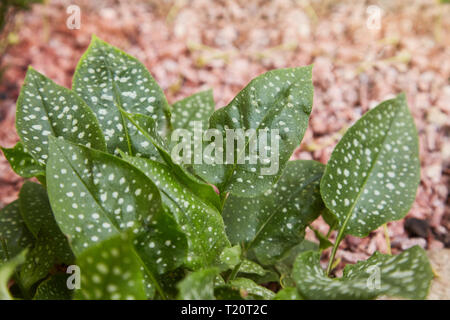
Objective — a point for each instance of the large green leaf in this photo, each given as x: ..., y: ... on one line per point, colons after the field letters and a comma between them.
x: 54, y: 288
x: 46, y: 109
x: 288, y: 293
x: 7, y: 270
x: 374, y: 171
x: 95, y: 196
x: 406, y: 275
x: 147, y: 127
x: 201, y: 222
x: 197, y: 107
x: 109, y: 80
x: 279, y: 103
x: 111, y: 270
x: 14, y: 234
x: 51, y: 246
x: 22, y: 162
x: 274, y: 222
x: 198, y: 285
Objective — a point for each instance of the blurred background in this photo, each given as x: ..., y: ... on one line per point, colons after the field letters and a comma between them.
x: 363, y: 52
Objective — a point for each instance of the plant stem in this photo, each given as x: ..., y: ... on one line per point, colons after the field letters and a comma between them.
x: 223, y: 198
x: 335, y: 247
x: 235, y: 271
x: 388, y: 240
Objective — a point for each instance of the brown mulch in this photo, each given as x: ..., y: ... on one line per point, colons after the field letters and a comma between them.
x: 192, y: 45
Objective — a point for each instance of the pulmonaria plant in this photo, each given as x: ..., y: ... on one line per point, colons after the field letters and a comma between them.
x: 116, y: 216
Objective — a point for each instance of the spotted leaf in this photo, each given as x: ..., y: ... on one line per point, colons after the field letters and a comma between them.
x: 202, y: 223
x: 274, y: 222
x: 54, y: 288
x: 46, y: 109
x: 231, y: 256
x: 51, y: 247
x: 250, y: 290
x: 14, y: 234
x: 146, y: 126
x: 22, y: 162
x: 269, y: 116
x: 95, y: 196
x: 111, y: 270
x: 406, y: 275
x: 197, y: 107
x: 109, y: 80
x: 374, y: 171
x: 198, y: 285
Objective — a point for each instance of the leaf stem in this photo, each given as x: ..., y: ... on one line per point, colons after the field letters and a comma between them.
x: 234, y: 273
x: 388, y: 240
x: 335, y: 247
x: 223, y: 198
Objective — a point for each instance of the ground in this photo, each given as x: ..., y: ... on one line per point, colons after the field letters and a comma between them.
x: 193, y: 45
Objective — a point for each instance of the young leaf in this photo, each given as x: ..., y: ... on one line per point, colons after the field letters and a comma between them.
x: 95, y: 196
x: 22, y: 162
x: 407, y: 275
x: 277, y: 100
x: 111, y: 270
x: 202, y: 223
x: 250, y: 290
x: 231, y: 256
x: 6, y: 271
x: 373, y: 173
x: 14, y: 234
x: 198, y: 285
x: 288, y: 293
x: 197, y: 107
x: 54, y: 288
x: 274, y: 222
x: 109, y: 80
x: 46, y: 109
x: 51, y: 246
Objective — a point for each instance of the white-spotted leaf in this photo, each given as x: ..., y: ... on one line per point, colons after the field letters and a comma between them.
x: 22, y: 162
x: 7, y: 270
x: 201, y: 222
x: 275, y: 107
x: 198, y: 285
x: 14, y: 233
x: 111, y: 270
x: 406, y: 275
x: 274, y: 222
x: 110, y: 80
x: 197, y: 107
x: 54, y: 288
x: 46, y: 109
x: 374, y: 171
x: 250, y: 290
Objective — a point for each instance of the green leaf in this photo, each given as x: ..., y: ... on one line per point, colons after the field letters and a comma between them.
x: 22, y: 162
x: 324, y: 243
x: 51, y: 247
x: 111, y: 270
x: 110, y: 80
x: 250, y: 267
x: 330, y: 219
x: 146, y: 126
x: 374, y: 171
x: 7, y: 270
x: 231, y: 256
x: 277, y: 100
x: 95, y: 196
x: 54, y: 288
x: 202, y: 223
x: 197, y: 107
x: 406, y: 275
x: 46, y: 109
x: 14, y: 234
x: 274, y: 222
x: 288, y: 293
x: 198, y: 285
x: 250, y: 290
